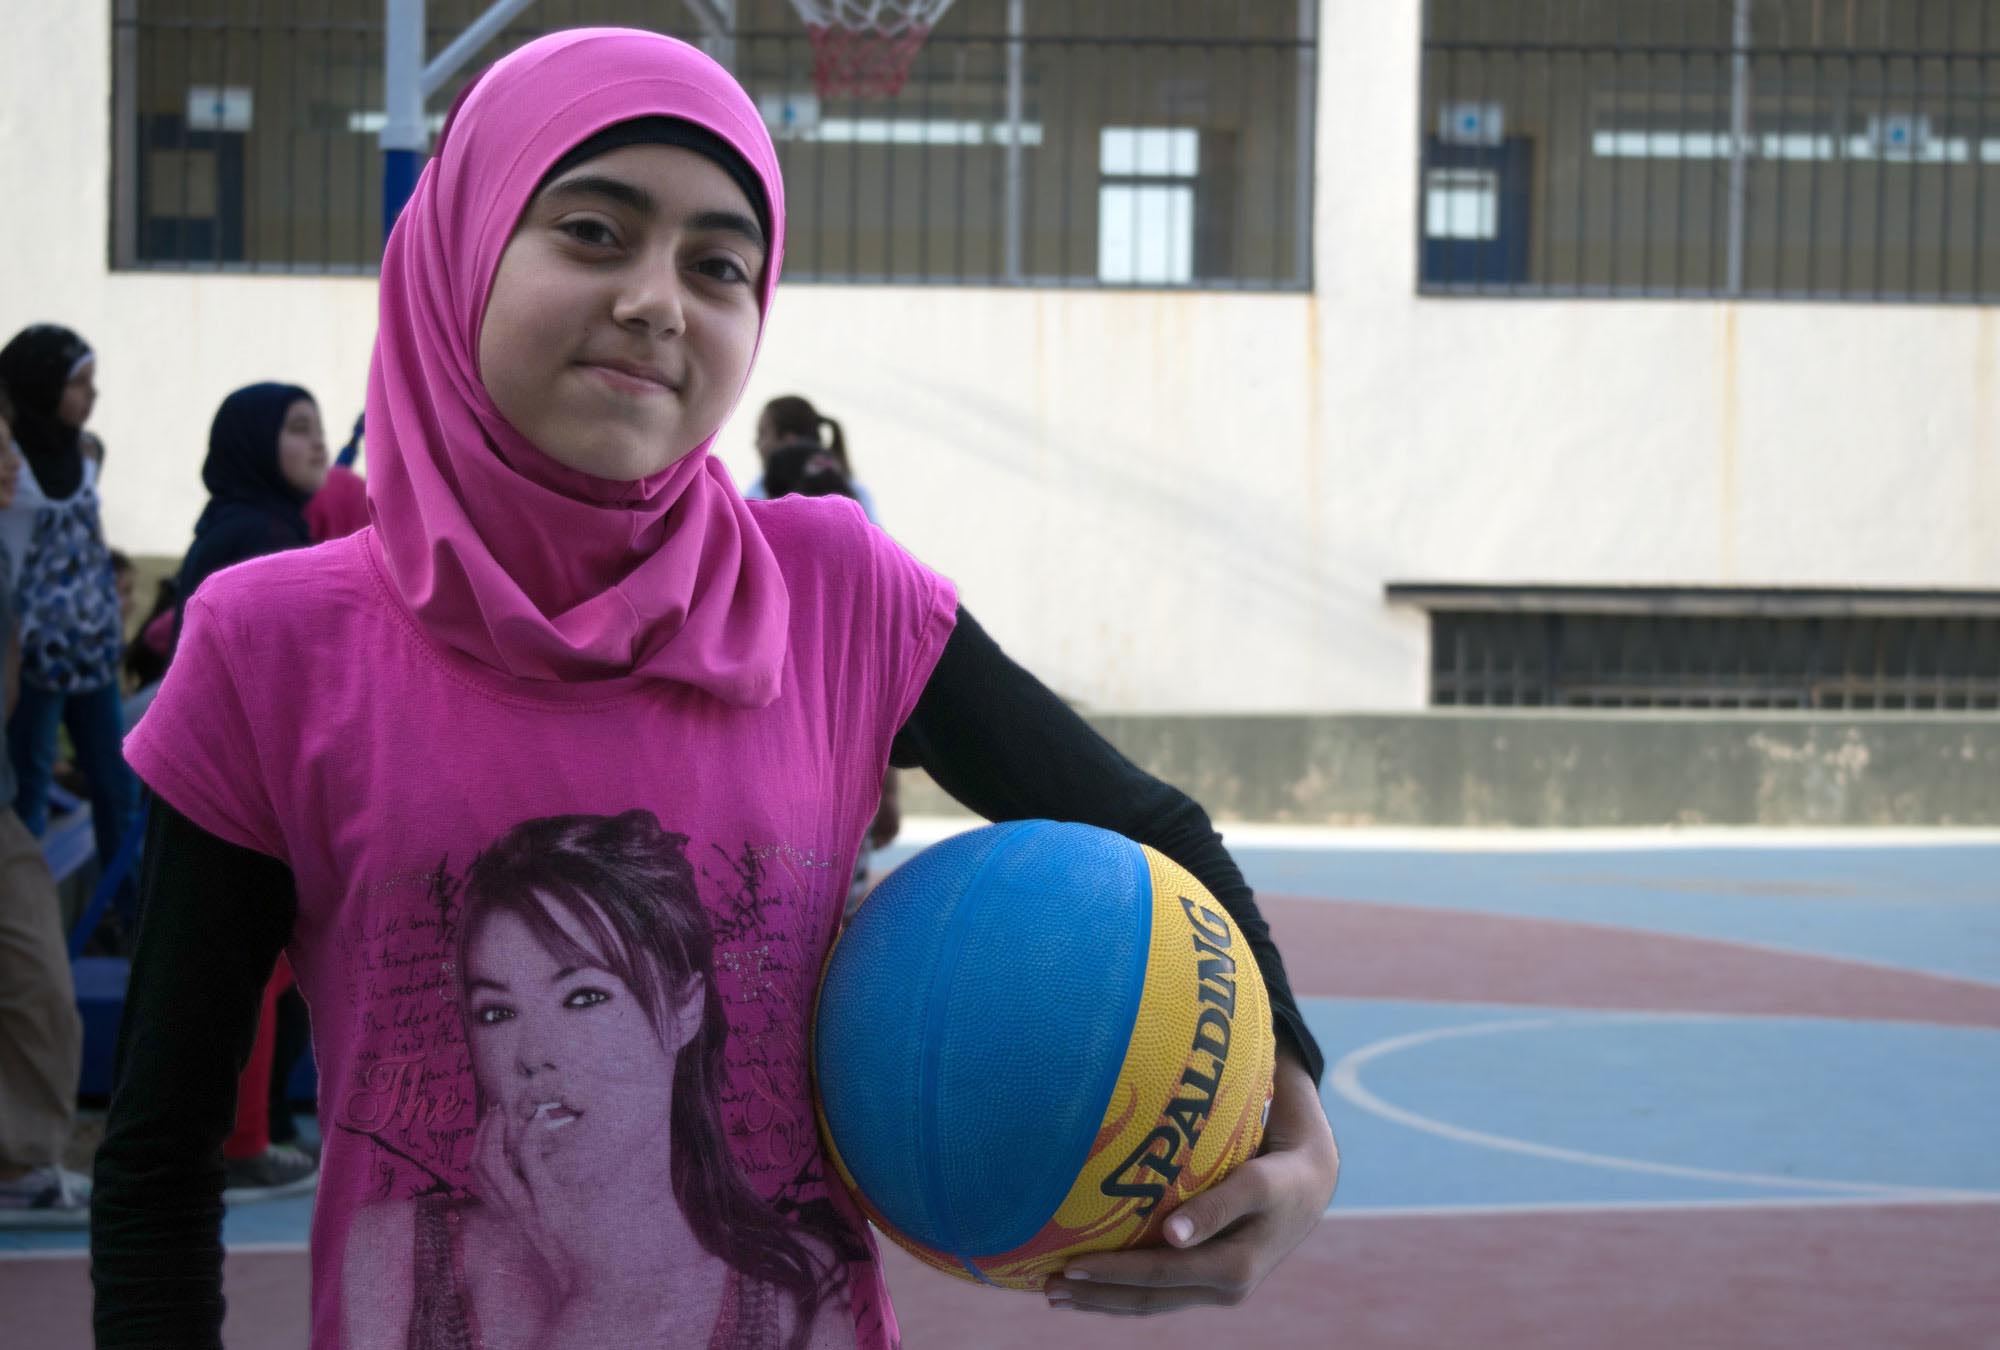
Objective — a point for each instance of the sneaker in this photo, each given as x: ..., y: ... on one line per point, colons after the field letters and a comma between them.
x: 47, y: 1197
x: 278, y: 1170
x: 309, y: 1147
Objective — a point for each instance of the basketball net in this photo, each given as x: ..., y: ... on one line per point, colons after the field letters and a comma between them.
x: 865, y: 48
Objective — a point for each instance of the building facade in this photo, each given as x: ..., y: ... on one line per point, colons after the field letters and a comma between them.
x: 1314, y: 358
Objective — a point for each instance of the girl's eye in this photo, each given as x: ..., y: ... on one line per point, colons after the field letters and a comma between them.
x: 586, y: 997
x: 594, y: 232
x: 493, y: 1013
x: 722, y: 269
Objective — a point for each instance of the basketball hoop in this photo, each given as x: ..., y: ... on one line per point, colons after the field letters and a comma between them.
x: 865, y: 48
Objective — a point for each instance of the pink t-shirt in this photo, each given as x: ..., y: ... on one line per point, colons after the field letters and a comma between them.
x: 519, y: 1146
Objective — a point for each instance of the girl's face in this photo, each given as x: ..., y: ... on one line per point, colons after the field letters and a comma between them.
x: 302, y: 456
x: 79, y: 396
x: 569, y: 1053
x: 624, y: 315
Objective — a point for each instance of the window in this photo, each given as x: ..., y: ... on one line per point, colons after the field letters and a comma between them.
x: 1712, y: 649
x: 1462, y: 204
x: 1102, y: 143
x: 1799, y: 149
x: 1145, y: 206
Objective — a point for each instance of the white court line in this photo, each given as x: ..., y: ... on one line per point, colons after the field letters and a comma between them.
x: 1529, y: 1208
x: 1589, y: 1011
x: 1530, y: 839
x: 925, y: 830
x: 1669, y: 1207
x: 1346, y: 1079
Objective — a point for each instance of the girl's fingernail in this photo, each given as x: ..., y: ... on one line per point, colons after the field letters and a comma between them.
x: 1058, y: 1298
x: 1082, y: 1276
x: 1179, y: 1229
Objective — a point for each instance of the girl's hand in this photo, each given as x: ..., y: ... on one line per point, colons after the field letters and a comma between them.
x: 1228, y: 1238
x: 519, y: 1190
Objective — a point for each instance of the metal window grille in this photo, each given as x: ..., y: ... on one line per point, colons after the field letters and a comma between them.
x: 246, y: 138
x: 1794, y: 149
x: 1928, y: 663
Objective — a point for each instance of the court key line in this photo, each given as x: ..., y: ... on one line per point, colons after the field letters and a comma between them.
x: 1346, y: 1080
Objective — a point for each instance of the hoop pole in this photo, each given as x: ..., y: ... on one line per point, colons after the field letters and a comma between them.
x: 407, y: 83
x: 1016, y: 89
x: 477, y: 34
x: 404, y: 138
x: 1739, y: 141
x: 718, y: 29
x: 1303, y: 209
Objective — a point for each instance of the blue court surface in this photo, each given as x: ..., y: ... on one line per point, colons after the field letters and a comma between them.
x: 1925, y: 908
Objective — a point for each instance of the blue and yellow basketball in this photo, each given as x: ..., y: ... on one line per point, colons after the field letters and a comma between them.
x: 1036, y: 1040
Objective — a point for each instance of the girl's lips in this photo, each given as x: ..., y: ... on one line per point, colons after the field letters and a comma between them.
x: 554, y: 1115
x: 627, y: 383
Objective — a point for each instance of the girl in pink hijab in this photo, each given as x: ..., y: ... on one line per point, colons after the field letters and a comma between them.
x: 593, y: 812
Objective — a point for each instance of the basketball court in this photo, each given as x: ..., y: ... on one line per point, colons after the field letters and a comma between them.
x: 1645, y: 1092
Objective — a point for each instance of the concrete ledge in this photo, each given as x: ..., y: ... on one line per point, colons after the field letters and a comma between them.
x: 1585, y: 769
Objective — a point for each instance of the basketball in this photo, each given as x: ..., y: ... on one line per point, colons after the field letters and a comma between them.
x: 1035, y: 1040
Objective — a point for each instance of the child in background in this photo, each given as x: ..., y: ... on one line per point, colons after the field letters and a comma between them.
x: 125, y: 581
x: 267, y: 460
x: 789, y: 422
x: 72, y: 632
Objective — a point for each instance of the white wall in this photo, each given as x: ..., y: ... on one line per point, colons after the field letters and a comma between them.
x: 1179, y: 501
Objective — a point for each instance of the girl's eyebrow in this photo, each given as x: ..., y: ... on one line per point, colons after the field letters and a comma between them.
x: 617, y: 189
x: 636, y: 198
x: 729, y: 222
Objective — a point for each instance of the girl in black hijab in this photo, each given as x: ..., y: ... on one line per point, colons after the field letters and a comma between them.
x: 266, y: 458
x: 72, y: 630
x: 50, y: 372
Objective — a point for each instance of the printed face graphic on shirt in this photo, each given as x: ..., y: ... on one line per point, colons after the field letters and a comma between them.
x: 566, y: 1054
x: 597, y: 1199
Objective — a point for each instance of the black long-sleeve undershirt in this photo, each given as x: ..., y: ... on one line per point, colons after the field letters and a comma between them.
x: 216, y: 915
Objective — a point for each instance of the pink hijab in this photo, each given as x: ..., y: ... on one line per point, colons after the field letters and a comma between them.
x: 525, y: 565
